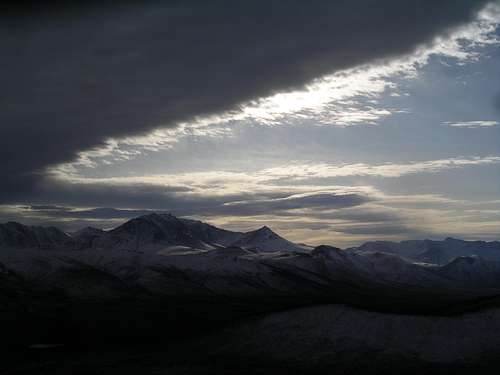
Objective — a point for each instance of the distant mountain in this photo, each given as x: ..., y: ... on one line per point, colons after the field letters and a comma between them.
x: 87, y: 237
x: 17, y: 235
x: 264, y: 240
x: 154, y: 232
x: 328, y: 252
x: 145, y: 233
x: 472, y: 269
x: 211, y: 234
x: 163, y: 230
x: 434, y: 252
x: 151, y: 230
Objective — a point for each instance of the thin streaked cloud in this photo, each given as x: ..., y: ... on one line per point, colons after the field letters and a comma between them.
x: 276, y: 179
x: 472, y: 124
x: 391, y: 170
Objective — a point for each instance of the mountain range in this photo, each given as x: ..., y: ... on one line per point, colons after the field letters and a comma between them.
x: 434, y: 252
x: 259, y: 260
x: 145, y: 233
x: 154, y: 232
x: 158, y: 278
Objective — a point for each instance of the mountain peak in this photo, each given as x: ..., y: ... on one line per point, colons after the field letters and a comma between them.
x: 264, y: 239
x: 264, y: 233
x: 264, y: 229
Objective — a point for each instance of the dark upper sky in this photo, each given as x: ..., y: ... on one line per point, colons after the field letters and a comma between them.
x: 76, y: 76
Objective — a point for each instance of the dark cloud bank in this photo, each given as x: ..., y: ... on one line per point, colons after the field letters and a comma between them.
x: 72, y: 76
x: 138, y: 197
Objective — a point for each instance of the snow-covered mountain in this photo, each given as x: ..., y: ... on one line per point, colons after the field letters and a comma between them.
x: 433, y: 252
x: 160, y: 231
x: 154, y: 232
x: 146, y: 233
x: 163, y: 240
x: 258, y: 262
x: 326, y: 273
x: 265, y: 240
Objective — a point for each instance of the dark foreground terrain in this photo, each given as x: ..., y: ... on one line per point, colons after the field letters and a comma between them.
x: 317, y: 340
x: 160, y: 295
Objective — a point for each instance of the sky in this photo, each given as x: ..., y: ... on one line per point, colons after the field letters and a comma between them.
x: 330, y: 122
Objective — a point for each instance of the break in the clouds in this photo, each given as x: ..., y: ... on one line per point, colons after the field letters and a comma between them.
x: 322, y: 120
x: 302, y: 201
x: 472, y: 124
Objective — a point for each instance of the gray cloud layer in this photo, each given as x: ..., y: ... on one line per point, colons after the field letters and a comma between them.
x: 72, y: 77
x: 173, y: 199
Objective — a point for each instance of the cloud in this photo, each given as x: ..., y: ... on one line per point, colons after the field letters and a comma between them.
x: 302, y: 213
x: 296, y: 189
x: 472, y: 124
x: 279, y: 178
x: 366, y: 213
x: 388, y: 170
x: 374, y: 229
x: 345, y: 98
x: 94, y: 213
x: 316, y: 200
x: 74, y: 77
x: 260, y: 204
x: 46, y: 207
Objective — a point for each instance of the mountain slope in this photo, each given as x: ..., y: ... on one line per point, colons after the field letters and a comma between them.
x: 264, y: 240
x: 155, y: 231
x: 15, y: 235
x: 152, y: 230
x: 433, y: 252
